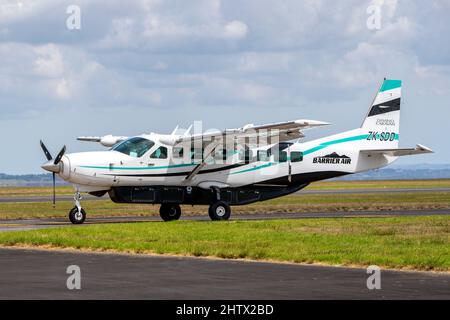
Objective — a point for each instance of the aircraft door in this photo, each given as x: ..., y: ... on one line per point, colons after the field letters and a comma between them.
x: 159, y: 159
x: 289, y: 167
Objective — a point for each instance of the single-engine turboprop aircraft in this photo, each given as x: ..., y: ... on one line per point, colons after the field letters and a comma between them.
x: 230, y: 167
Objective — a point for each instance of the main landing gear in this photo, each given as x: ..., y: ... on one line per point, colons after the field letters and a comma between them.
x: 219, y: 211
x: 170, y: 212
x: 77, y: 215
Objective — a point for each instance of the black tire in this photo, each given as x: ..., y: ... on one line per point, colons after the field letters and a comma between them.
x: 219, y: 211
x: 75, y: 217
x: 170, y: 212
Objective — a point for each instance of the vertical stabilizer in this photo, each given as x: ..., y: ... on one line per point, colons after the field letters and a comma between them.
x: 382, y: 122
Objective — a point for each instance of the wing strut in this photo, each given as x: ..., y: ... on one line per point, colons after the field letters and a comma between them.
x: 200, y: 166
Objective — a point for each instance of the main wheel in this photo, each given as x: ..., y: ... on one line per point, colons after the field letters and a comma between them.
x: 219, y: 211
x: 169, y: 212
x: 77, y: 217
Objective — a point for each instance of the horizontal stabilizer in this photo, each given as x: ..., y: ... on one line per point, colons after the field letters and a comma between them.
x: 419, y: 149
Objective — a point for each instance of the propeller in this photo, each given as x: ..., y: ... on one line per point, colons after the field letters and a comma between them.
x: 52, y: 166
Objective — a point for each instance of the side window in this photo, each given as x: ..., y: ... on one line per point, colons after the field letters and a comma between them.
x: 282, y: 156
x: 220, y: 154
x: 178, y: 152
x: 263, y: 155
x: 296, y: 156
x: 245, y: 155
x: 160, y: 153
x: 197, y: 153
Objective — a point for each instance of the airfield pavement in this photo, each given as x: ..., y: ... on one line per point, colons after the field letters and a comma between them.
x: 120, y: 276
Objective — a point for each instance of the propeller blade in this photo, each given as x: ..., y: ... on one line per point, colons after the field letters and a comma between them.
x: 60, y: 155
x: 54, y: 193
x: 47, y: 154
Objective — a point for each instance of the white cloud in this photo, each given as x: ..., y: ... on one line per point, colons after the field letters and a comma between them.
x: 62, y: 89
x: 236, y: 29
x: 49, y: 61
x: 16, y: 10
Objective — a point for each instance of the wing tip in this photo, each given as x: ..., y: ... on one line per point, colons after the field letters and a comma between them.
x: 312, y: 123
x: 424, y: 148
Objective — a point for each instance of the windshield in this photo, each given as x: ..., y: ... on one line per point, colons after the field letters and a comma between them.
x: 134, y: 147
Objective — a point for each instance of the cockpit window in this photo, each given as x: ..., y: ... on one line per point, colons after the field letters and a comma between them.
x: 134, y: 147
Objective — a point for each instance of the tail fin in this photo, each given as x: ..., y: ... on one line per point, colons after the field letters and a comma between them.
x: 382, y: 122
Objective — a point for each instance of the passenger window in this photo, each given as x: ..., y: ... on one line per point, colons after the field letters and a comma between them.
x: 263, y: 155
x: 219, y: 154
x: 160, y: 153
x: 223, y: 154
x: 197, y: 153
x: 296, y: 156
x: 282, y: 156
x: 178, y: 152
x: 245, y: 155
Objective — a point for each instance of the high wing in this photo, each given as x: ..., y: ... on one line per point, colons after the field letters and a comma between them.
x: 419, y: 149
x: 282, y: 131
x: 107, y: 141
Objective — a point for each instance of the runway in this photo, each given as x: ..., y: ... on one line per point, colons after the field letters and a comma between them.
x: 38, y: 274
x: 33, y: 224
x: 28, y: 198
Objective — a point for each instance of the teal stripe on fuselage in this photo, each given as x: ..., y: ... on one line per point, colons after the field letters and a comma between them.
x: 141, y: 168
x: 256, y: 168
x: 329, y: 143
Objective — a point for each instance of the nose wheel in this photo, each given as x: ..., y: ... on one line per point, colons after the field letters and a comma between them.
x: 77, y: 215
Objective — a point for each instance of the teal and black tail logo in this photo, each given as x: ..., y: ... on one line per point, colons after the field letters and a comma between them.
x: 385, y: 107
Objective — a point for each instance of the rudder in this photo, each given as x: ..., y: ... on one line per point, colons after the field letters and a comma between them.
x: 382, y: 122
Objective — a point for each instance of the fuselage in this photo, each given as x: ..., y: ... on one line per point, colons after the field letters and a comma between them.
x: 274, y: 164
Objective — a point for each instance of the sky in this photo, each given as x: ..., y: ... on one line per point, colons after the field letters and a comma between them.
x: 72, y: 68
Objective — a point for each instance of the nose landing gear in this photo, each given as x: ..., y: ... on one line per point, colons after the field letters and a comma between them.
x: 77, y: 215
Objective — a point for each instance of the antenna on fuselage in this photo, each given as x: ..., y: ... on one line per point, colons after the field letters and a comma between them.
x: 186, y: 133
x: 174, y: 131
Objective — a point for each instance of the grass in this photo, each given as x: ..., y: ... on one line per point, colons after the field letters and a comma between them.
x: 379, y: 184
x: 421, y: 243
x: 287, y: 204
x: 322, y: 185
x: 34, y: 191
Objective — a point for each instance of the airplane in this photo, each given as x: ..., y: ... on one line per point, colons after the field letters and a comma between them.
x: 224, y: 168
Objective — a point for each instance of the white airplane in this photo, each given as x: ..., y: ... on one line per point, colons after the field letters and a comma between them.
x: 230, y: 167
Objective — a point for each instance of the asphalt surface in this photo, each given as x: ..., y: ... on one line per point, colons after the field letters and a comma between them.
x: 48, y: 198
x: 33, y: 224
x: 38, y: 274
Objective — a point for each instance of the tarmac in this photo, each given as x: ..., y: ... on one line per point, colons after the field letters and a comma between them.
x: 41, y: 274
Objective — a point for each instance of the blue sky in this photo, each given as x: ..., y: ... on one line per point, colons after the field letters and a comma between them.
x: 148, y: 65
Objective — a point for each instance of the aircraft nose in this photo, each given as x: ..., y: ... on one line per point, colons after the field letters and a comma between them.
x: 51, y: 167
